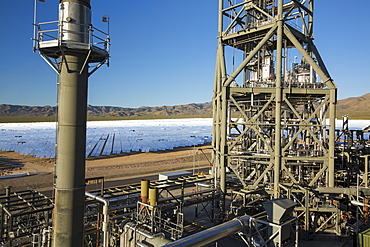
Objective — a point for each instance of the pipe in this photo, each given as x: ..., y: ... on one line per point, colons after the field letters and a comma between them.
x: 140, y: 244
x: 143, y: 232
x: 141, y: 235
x: 105, y: 216
x: 347, y: 191
x: 153, y: 196
x: 212, y: 234
x: 144, y: 190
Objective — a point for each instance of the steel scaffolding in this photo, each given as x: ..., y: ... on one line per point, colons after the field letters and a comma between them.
x: 270, y: 120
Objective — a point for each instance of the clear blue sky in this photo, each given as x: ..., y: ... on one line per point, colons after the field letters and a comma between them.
x: 163, y: 51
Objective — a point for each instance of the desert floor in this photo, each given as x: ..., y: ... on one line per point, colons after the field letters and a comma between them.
x: 111, y: 167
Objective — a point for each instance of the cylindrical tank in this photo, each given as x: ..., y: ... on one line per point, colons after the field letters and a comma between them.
x: 74, y: 20
x: 144, y: 190
x: 153, y: 196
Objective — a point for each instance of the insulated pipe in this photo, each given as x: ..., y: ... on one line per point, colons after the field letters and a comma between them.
x: 212, y: 234
x: 105, y: 216
x: 141, y: 235
x: 68, y: 225
x: 347, y: 191
x: 146, y: 234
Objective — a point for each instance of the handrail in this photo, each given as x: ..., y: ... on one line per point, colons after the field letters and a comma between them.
x: 94, y: 36
x: 50, y: 30
x: 100, y: 31
x: 73, y: 23
x: 47, y: 35
x: 48, y: 22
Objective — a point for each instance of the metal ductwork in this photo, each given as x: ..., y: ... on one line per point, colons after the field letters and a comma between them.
x: 212, y: 234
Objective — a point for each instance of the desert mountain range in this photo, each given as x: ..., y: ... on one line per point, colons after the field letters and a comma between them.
x: 109, y: 112
x: 355, y: 107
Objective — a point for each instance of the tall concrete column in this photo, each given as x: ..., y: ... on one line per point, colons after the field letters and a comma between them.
x: 70, y: 168
x: 74, y: 18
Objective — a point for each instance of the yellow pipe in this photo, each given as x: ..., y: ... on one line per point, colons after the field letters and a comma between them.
x: 153, y: 196
x: 144, y: 190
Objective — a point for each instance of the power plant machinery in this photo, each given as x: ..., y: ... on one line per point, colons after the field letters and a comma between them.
x: 281, y: 172
x: 274, y: 115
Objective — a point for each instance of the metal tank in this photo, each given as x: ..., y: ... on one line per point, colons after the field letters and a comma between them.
x: 75, y: 20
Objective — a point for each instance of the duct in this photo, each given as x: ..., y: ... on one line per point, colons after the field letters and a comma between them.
x: 212, y: 234
x: 105, y: 215
x: 347, y: 191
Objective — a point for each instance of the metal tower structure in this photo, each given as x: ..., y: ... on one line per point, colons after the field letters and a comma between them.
x: 69, y: 46
x: 274, y: 100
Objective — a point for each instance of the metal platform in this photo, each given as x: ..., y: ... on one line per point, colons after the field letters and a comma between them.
x: 53, y: 49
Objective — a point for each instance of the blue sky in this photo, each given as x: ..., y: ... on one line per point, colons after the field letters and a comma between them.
x: 163, y: 52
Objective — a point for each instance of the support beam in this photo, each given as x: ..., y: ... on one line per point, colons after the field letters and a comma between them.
x: 278, y: 99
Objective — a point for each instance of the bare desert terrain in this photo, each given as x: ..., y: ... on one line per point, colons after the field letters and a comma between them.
x: 111, y: 167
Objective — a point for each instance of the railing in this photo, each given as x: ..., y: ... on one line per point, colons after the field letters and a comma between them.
x: 68, y: 32
x: 292, y: 84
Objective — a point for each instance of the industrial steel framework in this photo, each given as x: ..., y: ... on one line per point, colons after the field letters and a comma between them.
x: 22, y: 214
x: 270, y: 114
x: 26, y: 216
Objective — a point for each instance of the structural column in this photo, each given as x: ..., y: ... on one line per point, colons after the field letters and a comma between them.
x: 278, y: 100
x: 68, y: 227
x: 70, y: 54
x: 219, y: 113
x: 332, y: 112
x: 70, y: 168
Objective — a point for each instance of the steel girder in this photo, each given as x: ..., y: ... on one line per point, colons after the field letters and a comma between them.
x: 269, y: 121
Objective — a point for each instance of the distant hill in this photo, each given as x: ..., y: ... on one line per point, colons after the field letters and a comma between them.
x: 354, y: 107
x: 15, y: 113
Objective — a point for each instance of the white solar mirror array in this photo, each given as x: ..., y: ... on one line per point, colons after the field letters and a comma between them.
x: 114, y: 137
x: 109, y: 137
